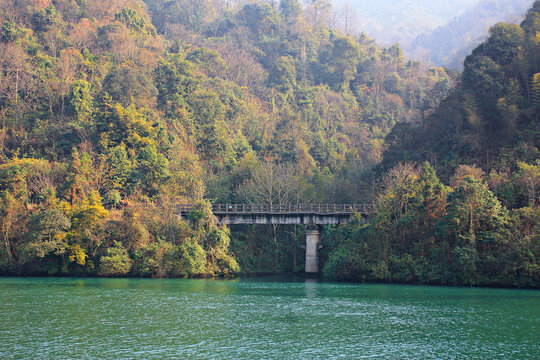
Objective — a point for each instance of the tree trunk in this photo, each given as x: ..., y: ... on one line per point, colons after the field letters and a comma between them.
x: 8, y: 249
x: 17, y: 97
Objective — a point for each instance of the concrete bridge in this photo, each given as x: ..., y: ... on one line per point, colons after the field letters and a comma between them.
x: 313, y: 216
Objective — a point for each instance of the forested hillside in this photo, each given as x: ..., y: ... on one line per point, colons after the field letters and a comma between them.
x: 114, y: 111
x: 100, y: 109
x: 480, y: 224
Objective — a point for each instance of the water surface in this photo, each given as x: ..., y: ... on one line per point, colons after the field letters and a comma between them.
x: 59, y: 318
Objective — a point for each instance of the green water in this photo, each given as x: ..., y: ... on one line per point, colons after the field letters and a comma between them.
x: 60, y: 318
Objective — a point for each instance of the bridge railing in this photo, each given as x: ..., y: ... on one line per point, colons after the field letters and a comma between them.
x: 284, y: 208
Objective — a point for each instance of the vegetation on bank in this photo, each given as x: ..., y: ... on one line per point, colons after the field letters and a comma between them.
x: 112, y: 112
x: 426, y: 232
x: 480, y: 225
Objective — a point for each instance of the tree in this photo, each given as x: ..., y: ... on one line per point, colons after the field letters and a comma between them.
x: 11, y: 210
x: 128, y: 85
x: 466, y: 170
x: 260, y: 18
x: 318, y: 13
x: 339, y: 62
x: 121, y: 168
x: 81, y: 107
x: 503, y: 43
x: 131, y: 19
x: 126, y: 126
x: 47, y: 233
x: 529, y: 176
x: 9, y: 31
x: 192, y: 260
x: 208, y: 60
x: 86, y: 216
x: 115, y: 262
x: 291, y: 10
x: 45, y: 19
x: 68, y: 63
x: 153, y: 170
x: 82, y: 35
x: 476, y: 226
x: 283, y: 74
x: 273, y: 184
x: 17, y: 80
x: 349, y: 20
x: 175, y: 80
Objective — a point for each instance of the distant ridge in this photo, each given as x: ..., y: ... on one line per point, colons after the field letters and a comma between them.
x: 438, y: 31
x: 390, y: 21
x: 449, y: 44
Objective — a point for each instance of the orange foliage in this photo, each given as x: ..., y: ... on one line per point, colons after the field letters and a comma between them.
x: 40, y: 4
x: 465, y: 170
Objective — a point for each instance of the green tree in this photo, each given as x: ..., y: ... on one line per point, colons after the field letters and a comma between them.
x: 152, y: 170
x: 476, y: 226
x: 339, y: 62
x: 129, y: 85
x: 45, y: 19
x: 503, y: 44
x: 175, y: 79
x: 291, y: 10
x: 115, y: 262
x: 81, y: 100
x: 121, y: 168
x: 126, y: 126
x: 283, y: 74
x: 529, y: 176
x: 131, y: 19
x: 47, y: 233
x: 191, y: 260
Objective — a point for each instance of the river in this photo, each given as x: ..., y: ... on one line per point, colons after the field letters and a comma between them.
x: 269, y: 318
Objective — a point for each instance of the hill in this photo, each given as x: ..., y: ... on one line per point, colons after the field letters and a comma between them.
x: 449, y: 44
x: 137, y: 107
x: 403, y: 20
x: 112, y: 113
x: 479, y: 222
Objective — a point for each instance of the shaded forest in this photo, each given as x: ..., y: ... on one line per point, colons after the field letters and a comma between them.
x: 113, y: 112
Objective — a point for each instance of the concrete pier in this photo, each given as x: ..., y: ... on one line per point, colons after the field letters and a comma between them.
x: 313, y: 239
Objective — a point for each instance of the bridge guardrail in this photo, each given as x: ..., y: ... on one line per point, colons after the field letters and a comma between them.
x: 284, y: 208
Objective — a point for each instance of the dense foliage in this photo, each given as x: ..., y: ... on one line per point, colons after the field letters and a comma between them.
x: 426, y: 232
x: 112, y: 112
x: 484, y: 140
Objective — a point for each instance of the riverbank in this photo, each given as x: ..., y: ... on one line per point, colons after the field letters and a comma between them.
x: 299, y: 276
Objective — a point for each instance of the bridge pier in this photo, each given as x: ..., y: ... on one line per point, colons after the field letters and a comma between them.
x: 313, y: 239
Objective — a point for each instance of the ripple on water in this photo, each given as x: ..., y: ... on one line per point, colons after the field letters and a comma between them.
x: 257, y: 319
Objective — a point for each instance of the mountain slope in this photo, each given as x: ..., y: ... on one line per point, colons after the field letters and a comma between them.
x: 449, y: 44
x: 492, y: 118
x: 112, y: 112
x: 479, y: 224
x: 390, y: 21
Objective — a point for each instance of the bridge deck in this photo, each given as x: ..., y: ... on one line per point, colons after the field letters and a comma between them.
x: 283, y: 209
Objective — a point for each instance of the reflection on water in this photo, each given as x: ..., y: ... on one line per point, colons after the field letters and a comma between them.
x: 271, y: 318
x: 312, y: 288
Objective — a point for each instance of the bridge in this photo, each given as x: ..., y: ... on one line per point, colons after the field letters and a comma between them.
x: 311, y: 215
